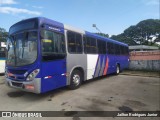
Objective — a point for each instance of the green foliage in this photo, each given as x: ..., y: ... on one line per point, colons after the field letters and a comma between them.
x: 123, y: 38
x: 3, y: 35
x: 103, y: 34
x: 139, y: 32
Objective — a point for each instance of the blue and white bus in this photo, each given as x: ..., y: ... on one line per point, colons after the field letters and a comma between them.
x: 2, y: 60
x: 43, y: 55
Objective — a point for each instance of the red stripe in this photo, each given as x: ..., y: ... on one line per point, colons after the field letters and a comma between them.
x: 106, y: 67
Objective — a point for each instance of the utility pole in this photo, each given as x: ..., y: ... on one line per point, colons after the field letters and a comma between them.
x: 94, y: 25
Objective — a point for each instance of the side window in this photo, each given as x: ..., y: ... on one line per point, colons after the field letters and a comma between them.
x: 52, y: 42
x: 90, y: 45
x: 123, y: 50
x: 74, y: 42
x: 126, y: 51
x: 117, y: 49
x: 79, y: 43
x: 101, y: 47
x: 53, y: 45
x: 110, y: 47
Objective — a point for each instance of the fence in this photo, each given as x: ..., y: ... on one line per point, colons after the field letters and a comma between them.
x: 145, y: 60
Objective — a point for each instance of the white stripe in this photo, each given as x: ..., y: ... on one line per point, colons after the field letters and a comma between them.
x: 74, y: 29
x: 91, y: 65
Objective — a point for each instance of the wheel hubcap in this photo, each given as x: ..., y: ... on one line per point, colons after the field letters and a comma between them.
x: 117, y: 69
x: 76, y: 79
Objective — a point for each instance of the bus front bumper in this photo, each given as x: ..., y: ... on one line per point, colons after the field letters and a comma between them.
x: 33, y: 86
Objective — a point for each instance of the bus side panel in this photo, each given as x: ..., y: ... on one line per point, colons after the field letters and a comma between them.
x: 124, y: 63
x: 117, y: 59
x: 101, y: 66
x: 53, y: 75
x: 111, y: 64
x: 76, y: 61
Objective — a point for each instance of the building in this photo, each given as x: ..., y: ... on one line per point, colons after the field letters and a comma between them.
x: 142, y: 48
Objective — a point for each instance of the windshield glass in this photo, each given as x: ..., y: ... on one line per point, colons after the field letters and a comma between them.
x: 53, y: 45
x: 22, y: 48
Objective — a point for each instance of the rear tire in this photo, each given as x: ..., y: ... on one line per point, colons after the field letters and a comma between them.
x: 75, y: 80
x: 117, y: 69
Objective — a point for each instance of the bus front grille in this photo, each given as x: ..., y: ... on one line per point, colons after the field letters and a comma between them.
x: 19, y: 72
x: 17, y: 84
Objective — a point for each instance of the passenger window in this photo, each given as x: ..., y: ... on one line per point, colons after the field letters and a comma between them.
x: 101, y: 47
x: 117, y: 49
x: 53, y: 45
x: 74, y: 42
x: 52, y: 42
x: 90, y: 45
x: 110, y: 47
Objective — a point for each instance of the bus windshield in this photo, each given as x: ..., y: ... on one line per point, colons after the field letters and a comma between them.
x: 22, y: 48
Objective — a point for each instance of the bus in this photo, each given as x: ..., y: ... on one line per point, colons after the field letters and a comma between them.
x: 43, y: 55
x: 2, y: 60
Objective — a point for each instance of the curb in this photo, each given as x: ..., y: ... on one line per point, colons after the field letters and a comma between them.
x: 140, y: 75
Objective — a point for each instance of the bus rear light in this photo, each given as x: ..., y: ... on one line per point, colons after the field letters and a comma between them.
x: 32, y: 75
x: 29, y: 87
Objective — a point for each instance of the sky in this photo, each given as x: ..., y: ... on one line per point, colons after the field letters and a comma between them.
x: 110, y: 16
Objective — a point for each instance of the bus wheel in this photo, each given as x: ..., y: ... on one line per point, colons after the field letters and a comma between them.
x: 117, y: 69
x: 75, y: 80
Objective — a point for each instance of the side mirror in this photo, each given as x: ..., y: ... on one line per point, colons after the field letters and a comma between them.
x: 8, y: 47
x: 9, y: 42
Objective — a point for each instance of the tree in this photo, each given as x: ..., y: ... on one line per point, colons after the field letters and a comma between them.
x: 103, y: 34
x: 140, y: 33
x: 123, y: 38
x: 3, y: 35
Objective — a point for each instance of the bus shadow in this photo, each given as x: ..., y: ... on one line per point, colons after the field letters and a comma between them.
x: 97, y: 79
x: 27, y: 96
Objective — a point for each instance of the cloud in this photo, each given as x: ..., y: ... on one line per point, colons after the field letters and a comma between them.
x: 151, y: 2
x: 7, y: 2
x: 11, y: 10
x: 39, y: 7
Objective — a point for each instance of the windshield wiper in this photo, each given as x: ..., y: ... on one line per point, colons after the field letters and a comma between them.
x: 23, y: 42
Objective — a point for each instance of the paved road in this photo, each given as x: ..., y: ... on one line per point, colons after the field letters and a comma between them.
x: 112, y: 93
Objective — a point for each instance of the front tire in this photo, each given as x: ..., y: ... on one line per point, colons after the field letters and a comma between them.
x: 75, y: 80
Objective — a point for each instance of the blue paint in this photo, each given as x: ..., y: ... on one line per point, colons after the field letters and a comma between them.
x: 55, y: 69
x: 104, y: 38
x: 54, y: 28
x: 47, y: 21
x: 21, y: 70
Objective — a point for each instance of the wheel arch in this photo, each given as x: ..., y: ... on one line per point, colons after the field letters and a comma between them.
x: 118, y: 64
x: 80, y: 68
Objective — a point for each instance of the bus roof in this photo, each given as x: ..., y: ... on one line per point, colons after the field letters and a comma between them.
x: 68, y: 27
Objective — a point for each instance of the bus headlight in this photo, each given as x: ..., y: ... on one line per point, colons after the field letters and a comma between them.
x: 32, y: 75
